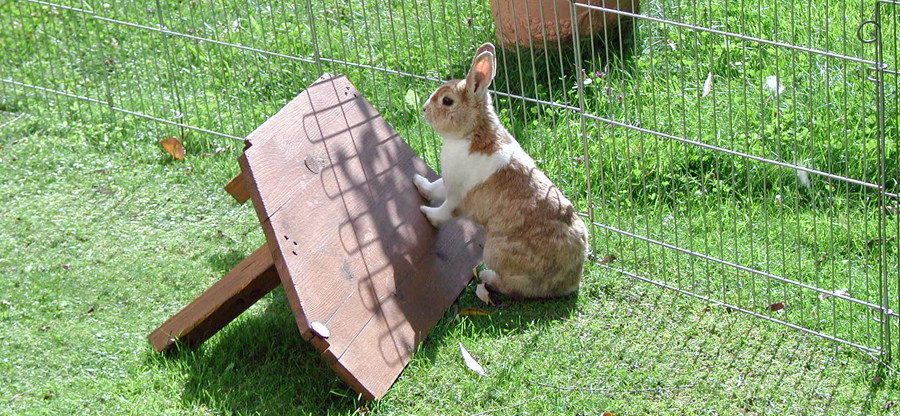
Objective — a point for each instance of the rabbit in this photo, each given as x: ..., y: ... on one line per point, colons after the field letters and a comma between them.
x: 535, y: 243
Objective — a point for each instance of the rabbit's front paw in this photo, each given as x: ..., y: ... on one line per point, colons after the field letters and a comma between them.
x: 436, y: 216
x: 432, y: 191
x: 422, y: 185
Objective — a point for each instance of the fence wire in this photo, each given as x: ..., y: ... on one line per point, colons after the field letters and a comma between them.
x: 744, y: 152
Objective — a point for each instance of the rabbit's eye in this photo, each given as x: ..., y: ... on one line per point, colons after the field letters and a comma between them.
x: 448, y: 101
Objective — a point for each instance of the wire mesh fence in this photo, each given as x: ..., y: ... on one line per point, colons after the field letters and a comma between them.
x: 744, y: 152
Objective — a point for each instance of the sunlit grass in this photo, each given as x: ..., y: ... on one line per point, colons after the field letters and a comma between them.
x: 85, y: 274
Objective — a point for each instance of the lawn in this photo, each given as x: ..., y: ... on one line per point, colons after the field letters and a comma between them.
x: 103, y: 235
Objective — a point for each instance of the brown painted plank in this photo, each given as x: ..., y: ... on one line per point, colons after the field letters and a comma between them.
x: 296, y: 176
x: 240, y: 288
x: 238, y: 188
x: 379, y: 353
x: 332, y: 185
x: 275, y: 250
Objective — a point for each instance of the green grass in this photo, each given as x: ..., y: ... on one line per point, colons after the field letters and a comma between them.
x: 72, y: 339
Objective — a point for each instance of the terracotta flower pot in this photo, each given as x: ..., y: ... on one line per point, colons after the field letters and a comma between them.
x: 520, y: 22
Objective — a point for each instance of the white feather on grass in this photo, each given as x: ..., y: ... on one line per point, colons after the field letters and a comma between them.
x: 470, y: 362
x: 773, y: 86
x: 803, y: 177
x: 707, y: 85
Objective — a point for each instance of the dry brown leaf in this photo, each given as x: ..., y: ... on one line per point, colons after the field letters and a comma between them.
x: 173, y: 147
x: 474, y: 311
x: 821, y: 259
x: 470, y: 362
x: 103, y: 191
x: 608, y: 259
x: 707, y: 85
x: 606, y: 414
x: 775, y: 306
x: 483, y: 294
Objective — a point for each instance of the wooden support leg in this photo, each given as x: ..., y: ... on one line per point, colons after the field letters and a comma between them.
x: 240, y: 288
x: 237, y: 187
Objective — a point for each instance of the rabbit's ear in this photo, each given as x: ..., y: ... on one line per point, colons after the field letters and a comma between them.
x: 486, y: 47
x: 482, y: 72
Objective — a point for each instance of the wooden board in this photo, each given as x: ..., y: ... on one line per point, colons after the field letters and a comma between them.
x: 237, y: 188
x: 241, y: 287
x: 331, y: 182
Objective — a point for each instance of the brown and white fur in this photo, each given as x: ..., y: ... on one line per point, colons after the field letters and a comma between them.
x: 535, y: 243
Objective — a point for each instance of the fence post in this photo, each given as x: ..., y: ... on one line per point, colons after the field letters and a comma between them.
x: 175, y: 95
x: 882, y: 182
x: 106, y: 65
x: 878, y: 80
x: 579, y: 75
x: 315, y: 41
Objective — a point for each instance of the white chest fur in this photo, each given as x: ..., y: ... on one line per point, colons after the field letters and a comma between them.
x: 463, y: 171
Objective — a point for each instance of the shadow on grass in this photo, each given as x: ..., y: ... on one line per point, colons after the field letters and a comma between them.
x: 880, y: 380
x: 259, y: 364
x: 223, y: 261
x: 513, y: 316
x: 510, y: 317
x: 536, y: 73
x: 550, y: 74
